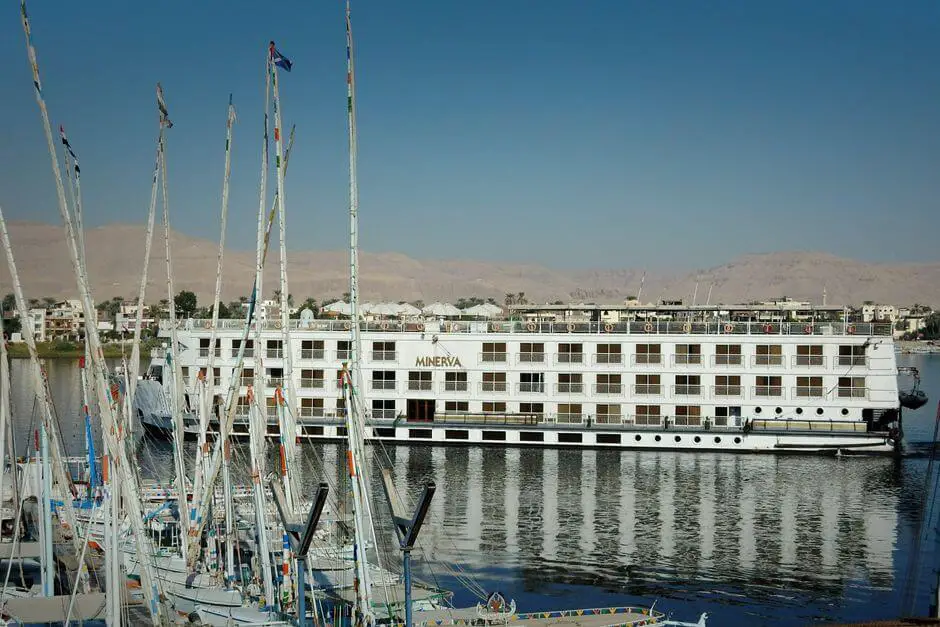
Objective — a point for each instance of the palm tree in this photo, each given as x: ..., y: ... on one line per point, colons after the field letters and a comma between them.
x: 510, y: 299
x: 520, y: 298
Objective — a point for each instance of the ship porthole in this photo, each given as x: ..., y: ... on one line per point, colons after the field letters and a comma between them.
x: 697, y: 439
x: 737, y: 440
x: 678, y: 439
x: 819, y: 411
x: 717, y: 440
x: 799, y: 410
x: 637, y: 438
x: 658, y: 438
x: 778, y: 411
x: 845, y: 412
x: 758, y: 410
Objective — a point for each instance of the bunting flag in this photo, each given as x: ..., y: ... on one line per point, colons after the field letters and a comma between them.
x: 161, y: 104
x: 65, y: 142
x: 279, y: 59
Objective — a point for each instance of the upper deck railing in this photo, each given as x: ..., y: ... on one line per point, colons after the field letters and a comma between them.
x: 516, y: 327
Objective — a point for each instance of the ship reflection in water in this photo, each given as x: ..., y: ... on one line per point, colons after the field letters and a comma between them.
x: 766, y: 540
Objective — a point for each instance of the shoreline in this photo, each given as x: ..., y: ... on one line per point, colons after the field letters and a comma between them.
x: 70, y: 350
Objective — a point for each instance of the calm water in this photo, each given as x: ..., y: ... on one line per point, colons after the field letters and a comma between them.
x: 753, y: 540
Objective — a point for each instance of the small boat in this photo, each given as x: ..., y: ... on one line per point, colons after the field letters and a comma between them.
x: 915, y: 399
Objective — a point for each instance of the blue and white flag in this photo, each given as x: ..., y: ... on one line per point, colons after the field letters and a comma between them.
x: 279, y: 59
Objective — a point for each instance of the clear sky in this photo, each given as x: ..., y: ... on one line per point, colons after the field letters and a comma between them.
x: 608, y: 133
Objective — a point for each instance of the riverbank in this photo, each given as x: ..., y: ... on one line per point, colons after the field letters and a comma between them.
x: 74, y: 350
x: 917, y: 346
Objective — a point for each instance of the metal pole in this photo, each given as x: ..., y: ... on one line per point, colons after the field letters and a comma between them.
x: 301, y: 592
x: 406, y: 559
x: 48, y: 568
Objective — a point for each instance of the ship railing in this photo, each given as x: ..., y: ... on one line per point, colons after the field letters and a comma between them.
x: 687, y: 390
x: 487, y: 418
x: 569, y: 358
x: 808, y: 361
x: 644, y: 421
x: 687, y: 359
x: 726, y: 359
x: 609, y: 419
x: 771, y: 360
x: 312, y: 353
x: 852, y: 392
x: 493, y: 386
x: 419, y: 385
x: 204, y: 351
x: 384, y: 356
x: 647, y: 359
x: 249, y: 351
x: 158, y: 353
x: 312, y: 383
x: 601, y: 359
x: 566, y: 418
x: 569, y: 388
x: 767, y: 391
x: 648, y: 389
x: 454, y: 386
x: 809, y: 391
x: 341, y: 355
x: 852, y: 360
x: 530, y: 387
x: 307, y: 411
x: 275, y: 382
x: 274, y: 353
x: 530, y: 357
x: 608, y: 388
x: 383, y: 385
x: 633, y: 327
x: 728, y: 391
x: 492, y: 358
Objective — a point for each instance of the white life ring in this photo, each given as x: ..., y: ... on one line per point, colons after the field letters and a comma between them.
x: 686, y: 328
x: 571, y: 327
x: 347, y: 326
x: 808, y: 329
x: 208, y: 324
x: 851, y: 329
x: 494, y: 328
x: 385, y: 326
x: 608, y: 327
x: 648, y: 327
x: 768, y: 328
x: 277, y: 324
x: 530, y: 327
x: 420, y: 326
x: 729, y: 328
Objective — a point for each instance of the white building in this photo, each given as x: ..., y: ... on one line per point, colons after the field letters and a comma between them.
x: 37, y: 322
x: 65, y: 319
x: 126, y: 319
x: 879, y: 313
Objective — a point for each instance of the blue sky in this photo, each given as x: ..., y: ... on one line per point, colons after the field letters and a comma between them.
x: 611, y: 133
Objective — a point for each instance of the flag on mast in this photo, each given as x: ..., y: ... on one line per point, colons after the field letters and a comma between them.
x: 279, y: 59
x: 161, y: 104
x: 65, y: 142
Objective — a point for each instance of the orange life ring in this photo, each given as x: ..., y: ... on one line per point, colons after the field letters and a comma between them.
x: 571, y: 327
x: 277, y: 324
x: 494, y: 328
x: 729, y: 328
x: 768, y: 328
x: 208, y: 324
x: 421, y: 326
x: 530, y: 327
x: 648, y: 327
x: 851, y: 329
x: 808, y: 329
x: 347, y: 326
x: 686, y: 328
x: 608, y: 327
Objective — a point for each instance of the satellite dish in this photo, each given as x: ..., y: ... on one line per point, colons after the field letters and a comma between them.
x: 306, y: 316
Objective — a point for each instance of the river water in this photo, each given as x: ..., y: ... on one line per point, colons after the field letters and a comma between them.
x: 751, y: 539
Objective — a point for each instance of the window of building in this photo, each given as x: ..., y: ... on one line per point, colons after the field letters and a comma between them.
x: 688, y: 415
x: 383, y: 379
x: 457, y: 406
x: 494, y: 382
x: 570, y: 353
x: 728, y: 355
x: 688, y: 354
x: 383, y: 409
x: 768, y: 386
x: 532, y: 382
x: 607, y: 384
x: 727, y: 385
x: 242, y: 407
x: 343, y: 350
x: 310, y: 407
x: 493, y: 352
x: 569, y: 383
x: 204, y: 347
x: 455, y: 381
x: 271, y: 407
x: 311, y: 378
x: 647, y: 384
x: 537, y: 409
x: 648, y: 415
x: 311, y: 349
x: 248, y: 376
x: 609, y: 354
x: 494, y: 407
x: 419, y: 380
x: 531, y: 352
x: 725, y: 416
x: 648, y: 354
x: 688, y: 384
x: 852, y: 355
x: 249, y: 348
x: 809, y: 387
x: 608, y: 414
x: 383, y: 351
x: 569, y: 413
x: 809, y: 355
x: 275, y: 377
x: 768, y: 355
x: 852, y: 387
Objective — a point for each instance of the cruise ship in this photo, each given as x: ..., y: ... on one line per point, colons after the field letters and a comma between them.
x: 720, y: 378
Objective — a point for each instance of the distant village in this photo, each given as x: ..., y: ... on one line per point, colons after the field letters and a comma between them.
x: 54, y: 320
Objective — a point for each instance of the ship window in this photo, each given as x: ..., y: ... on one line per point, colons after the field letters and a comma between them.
x: 419, y: 380
x: 532, y: 408
x: 455, y: 381
x: 383, y: 379
x: 688, y: 415
x: 570, y: 383
x: 852, y: 387
x: 809, y: 355
x: 249, y: 348
x: 241, y: 409
x: 383, y: 351
x: 608, y: 414
x: 852, y: 355
x: 494, y: 407
x: 311, y: 378
x: 647, y: 384
x: 531, y: 352
x: 569, y: 412
x: 725, y: 414
x: 531, y: 381
x: 768, y: 355
x: 310, y: 407
x: 607, y: 384
x: 609, y: 354
x: 688, y: 354
x: 383, y: 409
x: 809, y: 387
x: 728, y: 355
x: 341, y: 406
x: 457, y: 406
x: 688, y: 385
x: 768, y: 386
x: 494, y: 382
x: 275, y: 349
x: 311, y: 349
x: 648, y: 415
x: 494, y: 352
x: 570, y: 353
x: 648, y: 354
x: 248, y: 376
x: 727, y: 385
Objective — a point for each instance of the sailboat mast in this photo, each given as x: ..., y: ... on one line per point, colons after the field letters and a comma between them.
x: 289, y: 409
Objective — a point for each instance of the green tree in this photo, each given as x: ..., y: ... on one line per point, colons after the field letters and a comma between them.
x: 49, y: 301
x: 11, y: 326
x: 186, y: 304
x: 9, y: 302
